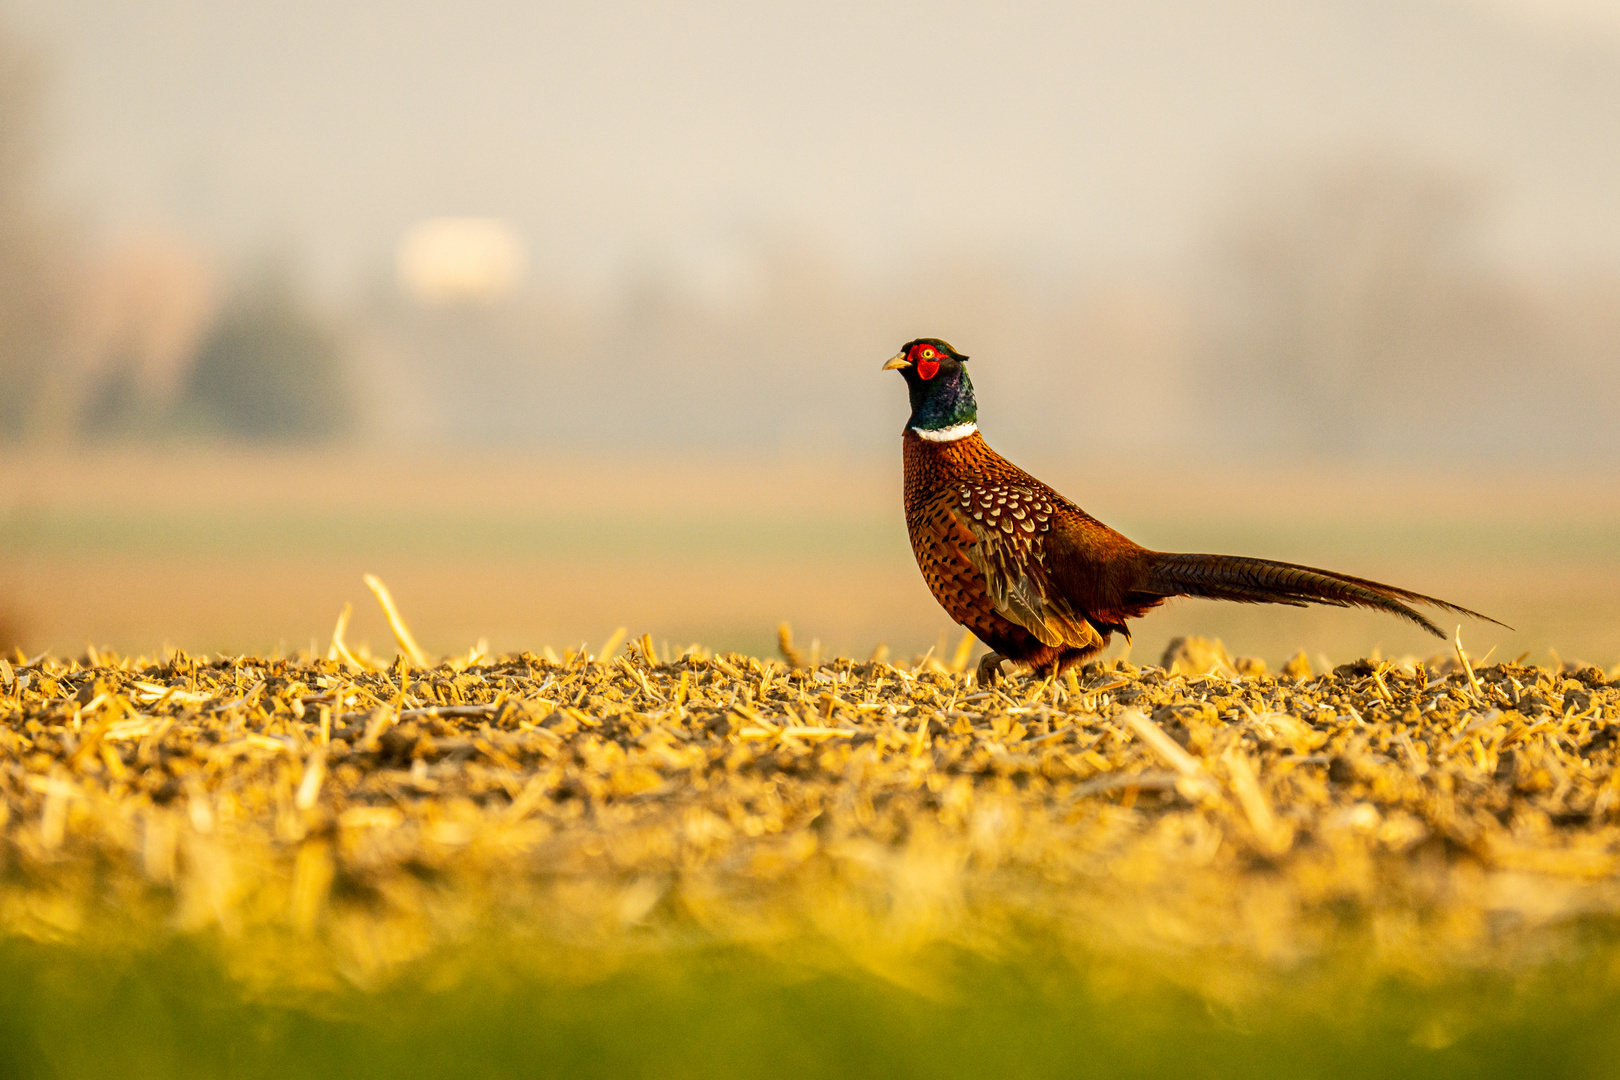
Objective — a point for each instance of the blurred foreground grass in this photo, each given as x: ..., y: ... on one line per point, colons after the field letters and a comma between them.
x: 173, y: 1012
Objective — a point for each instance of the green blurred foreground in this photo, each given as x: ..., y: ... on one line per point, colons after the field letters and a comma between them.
x: 173, y: 1012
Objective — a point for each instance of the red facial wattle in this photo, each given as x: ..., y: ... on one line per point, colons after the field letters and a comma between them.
x: 926, y: 360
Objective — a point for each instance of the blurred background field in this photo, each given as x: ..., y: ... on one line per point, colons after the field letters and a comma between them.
x: 255, y: 551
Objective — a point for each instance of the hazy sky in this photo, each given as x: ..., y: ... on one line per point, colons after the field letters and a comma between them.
x: 1100, y: 134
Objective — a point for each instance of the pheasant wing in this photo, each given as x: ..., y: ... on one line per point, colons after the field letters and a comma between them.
x: 1012, y: 525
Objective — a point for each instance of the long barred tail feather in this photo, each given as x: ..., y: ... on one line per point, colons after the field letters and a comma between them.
x: 1263, y: 581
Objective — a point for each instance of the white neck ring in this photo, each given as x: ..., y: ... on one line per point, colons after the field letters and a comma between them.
x: 949, y: 434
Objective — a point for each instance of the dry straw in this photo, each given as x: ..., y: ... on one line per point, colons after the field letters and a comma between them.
x: 338, y: 818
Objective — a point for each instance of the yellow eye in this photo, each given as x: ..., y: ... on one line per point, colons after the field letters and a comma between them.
x: 928, y: 354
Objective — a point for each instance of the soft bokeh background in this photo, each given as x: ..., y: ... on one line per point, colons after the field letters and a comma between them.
x: 567, y: 316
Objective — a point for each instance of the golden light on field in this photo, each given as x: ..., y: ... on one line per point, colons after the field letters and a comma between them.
x: 460, y: 260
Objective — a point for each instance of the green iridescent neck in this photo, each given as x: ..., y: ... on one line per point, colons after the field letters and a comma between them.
x: 943, y: 402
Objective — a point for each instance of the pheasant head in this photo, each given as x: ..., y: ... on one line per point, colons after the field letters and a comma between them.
x: 942, y: 404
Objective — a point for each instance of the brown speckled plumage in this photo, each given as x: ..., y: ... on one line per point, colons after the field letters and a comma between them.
x: 1042, y: 582
x: 997, y: 548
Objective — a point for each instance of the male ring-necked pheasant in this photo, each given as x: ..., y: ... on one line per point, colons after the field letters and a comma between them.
x: 1035, y: 577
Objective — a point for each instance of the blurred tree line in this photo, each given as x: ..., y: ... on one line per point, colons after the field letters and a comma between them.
x: 267, y: 370
x: 1346, y: 309
x: 1350, y: 313
x: 34, y: 275
x: 132, y: 342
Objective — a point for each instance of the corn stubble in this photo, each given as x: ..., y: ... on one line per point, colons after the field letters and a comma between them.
x: 336, y: 822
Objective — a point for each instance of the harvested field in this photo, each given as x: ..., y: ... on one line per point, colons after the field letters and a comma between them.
x: 1402, y: 857
x: 253, y: 552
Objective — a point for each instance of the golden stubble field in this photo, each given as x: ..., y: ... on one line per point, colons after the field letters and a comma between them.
x: 230, y: 551
x: 338, y: 822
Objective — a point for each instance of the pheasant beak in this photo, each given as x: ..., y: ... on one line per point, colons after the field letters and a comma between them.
x: 897, y: 363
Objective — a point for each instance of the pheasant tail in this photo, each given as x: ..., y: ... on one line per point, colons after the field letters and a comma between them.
x: 1263, y: 581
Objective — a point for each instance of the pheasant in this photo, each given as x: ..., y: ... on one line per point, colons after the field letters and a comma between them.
x: 1035, y: 577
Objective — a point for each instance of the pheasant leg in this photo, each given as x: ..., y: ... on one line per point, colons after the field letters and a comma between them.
x: 990, y: 669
